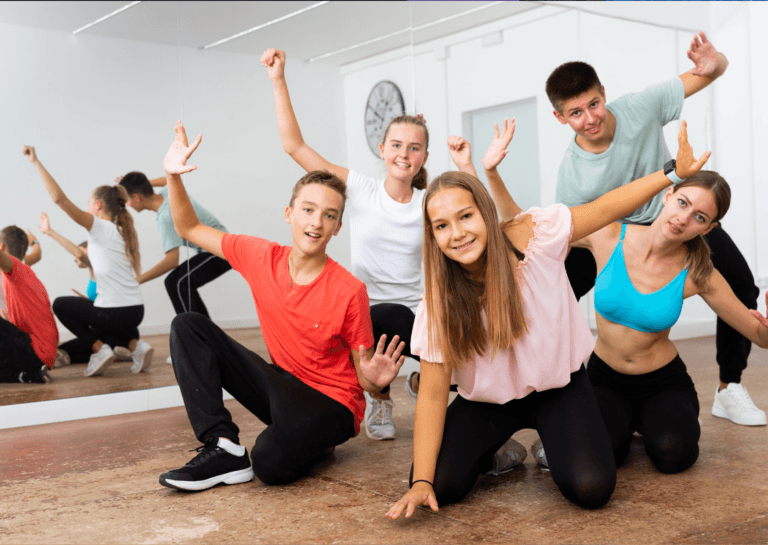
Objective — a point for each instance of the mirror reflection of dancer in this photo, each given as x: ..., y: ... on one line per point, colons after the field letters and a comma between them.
x: 34, y: 256
x: 621, y: 141
x: 312, y: 312
x: 80, y: 253
x: 113, y: 319
x: 505, y: 325
x: 385, y: 227
x: 186, y: 278
x: 28, y: 333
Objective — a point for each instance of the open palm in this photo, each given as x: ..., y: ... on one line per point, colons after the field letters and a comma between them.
x: 175, y: 161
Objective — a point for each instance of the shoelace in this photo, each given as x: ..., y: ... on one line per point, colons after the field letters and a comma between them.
x: 204, y: 452
x: 380, y: 415
x: 742, y: 399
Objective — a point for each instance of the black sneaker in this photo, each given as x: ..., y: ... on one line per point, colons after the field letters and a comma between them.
x: 40, y: 376
x: 213, y: 465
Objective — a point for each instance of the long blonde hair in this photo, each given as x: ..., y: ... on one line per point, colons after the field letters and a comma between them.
x: 454, y: 307
x: 114, y: 198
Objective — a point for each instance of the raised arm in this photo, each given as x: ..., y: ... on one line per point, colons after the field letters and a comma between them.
x: 290, y: 134
x: 428, y: 426
x: 622, y: 201
x: 709, y: 65
x: 59, y: 198
x: 76, y: 251
x: 168, y: 263
x: 720, y: 298
x: 496, y: 152
x: 188, y: 226
x: 37, y: 252
x: 461, y: 154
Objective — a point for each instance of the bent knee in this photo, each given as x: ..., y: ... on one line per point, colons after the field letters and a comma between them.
x: 671, y: 453
x: 272, y: 470
x: 591, y: 489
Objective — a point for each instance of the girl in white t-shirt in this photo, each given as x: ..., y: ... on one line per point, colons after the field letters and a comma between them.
x: 387, y: 232
x: 113, y: 251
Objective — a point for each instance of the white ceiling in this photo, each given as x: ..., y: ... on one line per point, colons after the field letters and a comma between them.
x: 325, y: 29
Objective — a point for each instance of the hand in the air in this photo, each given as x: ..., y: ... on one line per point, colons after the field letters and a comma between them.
x: 175, y: 161
x: 498, y: 148
x: 383, y: 367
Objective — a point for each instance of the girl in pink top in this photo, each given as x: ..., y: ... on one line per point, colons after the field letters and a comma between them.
x: 505, y: 325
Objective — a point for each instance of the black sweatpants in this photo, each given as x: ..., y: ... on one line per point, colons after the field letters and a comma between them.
x: 662, y: 405
x: 393, y: 319
x: 115, y: 326
x: 571, y: 429
x: 732, y: 347
x: 183, y: 282
x: 16, y: 353
x: 302, y: 423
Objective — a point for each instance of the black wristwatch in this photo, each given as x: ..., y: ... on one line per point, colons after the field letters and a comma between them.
x: 669, y: 171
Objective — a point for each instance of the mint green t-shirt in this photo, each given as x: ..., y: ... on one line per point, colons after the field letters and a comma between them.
x: 168, y: 233
x: 638, y: 149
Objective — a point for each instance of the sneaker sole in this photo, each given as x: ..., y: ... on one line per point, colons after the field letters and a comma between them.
x: 146, y: 361
x: 370, y: 436
x: 234, y: 477
x: 413, y: 396
x: 722, y: 413
x: 101, y: 368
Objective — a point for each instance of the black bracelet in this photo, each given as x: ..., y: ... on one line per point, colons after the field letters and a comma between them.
x: 422, y: 481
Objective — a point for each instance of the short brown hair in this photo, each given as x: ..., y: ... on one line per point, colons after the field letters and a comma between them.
x: 15, y: 239
x: 322, y: 177
x: 569, y: 80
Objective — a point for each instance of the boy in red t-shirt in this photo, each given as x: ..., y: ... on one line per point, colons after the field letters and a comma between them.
x: 28, y: 334
x: 312, y: 312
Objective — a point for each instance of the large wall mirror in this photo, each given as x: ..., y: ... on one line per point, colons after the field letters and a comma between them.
x: 104, y: 101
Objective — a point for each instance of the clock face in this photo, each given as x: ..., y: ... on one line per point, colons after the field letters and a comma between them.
x: 384, y: 104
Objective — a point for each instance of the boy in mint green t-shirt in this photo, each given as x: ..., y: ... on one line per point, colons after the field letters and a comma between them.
x: 622, y: 141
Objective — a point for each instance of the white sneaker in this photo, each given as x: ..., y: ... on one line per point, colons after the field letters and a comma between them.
x: 169, y: 361
x: 537, y: 449
x: 735, y: 404
x: 122, y: 353
x: 62, y: 359
x: 100, y: 361
x: 413, y: 396
x: 509, y: 456
x: 378, y: 418
x: 142, y: 356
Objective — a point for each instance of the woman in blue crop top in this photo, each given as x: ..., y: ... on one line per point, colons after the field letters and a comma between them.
x: 645, y: 272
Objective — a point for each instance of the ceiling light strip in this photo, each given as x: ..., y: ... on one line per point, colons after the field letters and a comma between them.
x: 420, y: 27
x: 97, y: 21
x: 283, y: 18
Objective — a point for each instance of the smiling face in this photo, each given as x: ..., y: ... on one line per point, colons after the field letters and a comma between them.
x: 459, y: 228
x: 688, y: 213
x: 404, y: 151
x: 315, y: 217
x: 586, y: 114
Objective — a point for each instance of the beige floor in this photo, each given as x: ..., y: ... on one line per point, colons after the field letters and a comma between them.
x: 96, y: 481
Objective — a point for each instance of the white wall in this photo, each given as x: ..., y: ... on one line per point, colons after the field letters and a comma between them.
x: 457, y: 74
x: 98, y: 107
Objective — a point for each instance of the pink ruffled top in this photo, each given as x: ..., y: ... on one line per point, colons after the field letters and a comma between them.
x: 558, y: 338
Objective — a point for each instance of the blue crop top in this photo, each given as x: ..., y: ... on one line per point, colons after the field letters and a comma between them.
x: 91, y: 291
x: 617, y: 300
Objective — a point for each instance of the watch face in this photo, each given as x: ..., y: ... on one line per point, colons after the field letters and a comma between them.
x: 384, y: 104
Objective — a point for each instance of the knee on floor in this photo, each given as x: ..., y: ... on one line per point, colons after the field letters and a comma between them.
x: 591, y: 489
x: 670, y: 453
x: 272, y: 470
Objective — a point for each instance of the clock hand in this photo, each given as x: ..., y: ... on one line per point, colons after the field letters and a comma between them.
x: 376, y: 113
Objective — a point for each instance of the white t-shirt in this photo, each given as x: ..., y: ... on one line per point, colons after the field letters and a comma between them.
x: 115, y: 284
x: 387, y: 238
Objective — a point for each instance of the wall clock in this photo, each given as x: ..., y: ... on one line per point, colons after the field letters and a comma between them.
x: 384, y: 104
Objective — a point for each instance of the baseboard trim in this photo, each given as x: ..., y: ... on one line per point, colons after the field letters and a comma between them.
x: 78, y: 408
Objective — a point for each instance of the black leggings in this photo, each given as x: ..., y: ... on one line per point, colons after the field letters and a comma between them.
x: 115, y: 326
x: 393, y: 319
x: 570, y: 426
x: 182, y: 285
x: 16, y: 353
x: 662, y: 405
x: 732, y: 347
x: 302, y: 423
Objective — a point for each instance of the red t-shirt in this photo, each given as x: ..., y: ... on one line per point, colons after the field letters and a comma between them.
x: 29, y: 309
x: 307, y: 329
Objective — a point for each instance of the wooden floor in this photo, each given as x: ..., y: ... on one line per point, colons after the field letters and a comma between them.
x: 96, y: 481
x: 70, y: 382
